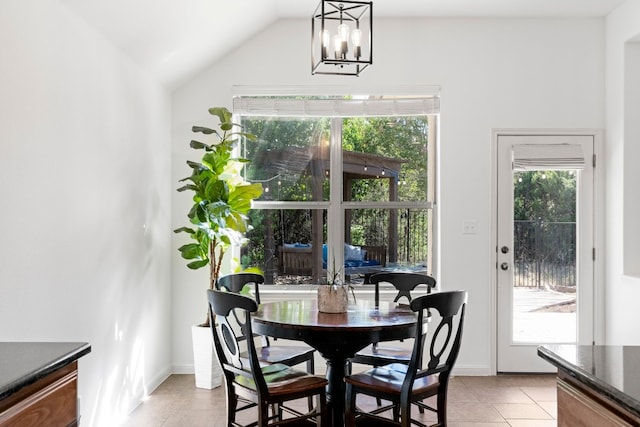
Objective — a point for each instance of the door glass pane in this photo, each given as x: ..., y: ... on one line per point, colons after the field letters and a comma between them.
x: 545, y: 280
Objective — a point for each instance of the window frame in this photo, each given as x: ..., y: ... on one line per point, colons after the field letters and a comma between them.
x: 336, y: 206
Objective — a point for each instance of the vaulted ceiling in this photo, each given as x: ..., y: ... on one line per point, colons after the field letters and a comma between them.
x: 175, y: 39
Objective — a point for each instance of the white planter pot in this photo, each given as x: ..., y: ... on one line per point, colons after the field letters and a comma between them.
x: 333, y: 298
x: 205, y: 362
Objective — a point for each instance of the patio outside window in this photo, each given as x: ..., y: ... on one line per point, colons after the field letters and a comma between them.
x: 350, y: 192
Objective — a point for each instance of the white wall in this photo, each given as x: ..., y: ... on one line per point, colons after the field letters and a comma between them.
x: 623, y: 176
x: 85, y: 189
x: 494, y: 73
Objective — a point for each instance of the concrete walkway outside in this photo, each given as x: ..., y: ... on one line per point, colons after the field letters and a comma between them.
x: 543, y: 316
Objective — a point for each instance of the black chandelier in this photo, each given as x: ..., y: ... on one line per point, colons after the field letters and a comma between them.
x: 341, y: 37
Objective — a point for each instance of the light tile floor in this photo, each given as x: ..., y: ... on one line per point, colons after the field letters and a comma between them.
x: 500, y: 401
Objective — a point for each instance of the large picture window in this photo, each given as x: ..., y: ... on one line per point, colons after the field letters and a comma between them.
x: 348, y: 186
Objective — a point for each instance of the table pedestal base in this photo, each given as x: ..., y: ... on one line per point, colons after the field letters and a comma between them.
x: 336, y: 371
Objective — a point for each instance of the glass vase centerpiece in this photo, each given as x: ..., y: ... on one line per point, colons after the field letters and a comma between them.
x: 333, y: 293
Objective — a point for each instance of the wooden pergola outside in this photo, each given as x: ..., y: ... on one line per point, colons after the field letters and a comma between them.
x: 314, y: 162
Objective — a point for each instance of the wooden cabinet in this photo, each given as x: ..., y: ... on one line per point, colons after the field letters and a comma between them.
x: 39, y: 383
x: 598, y: 385
x: 580, y: 405
x: 50, y: 401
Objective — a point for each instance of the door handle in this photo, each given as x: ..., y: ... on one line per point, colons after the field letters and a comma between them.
x: 504, y: 266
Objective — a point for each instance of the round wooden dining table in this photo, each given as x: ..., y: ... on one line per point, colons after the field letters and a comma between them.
x: 337, y: 337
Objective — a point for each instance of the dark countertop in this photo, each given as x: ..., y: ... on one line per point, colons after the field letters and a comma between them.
x: 613, y: 371
x: 23, y: 363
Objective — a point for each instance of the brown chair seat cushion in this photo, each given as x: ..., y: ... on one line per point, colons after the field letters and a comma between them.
x: 383, y: 354
x: 282, y: 379
x: 281, y: 353
x: 389, y: 379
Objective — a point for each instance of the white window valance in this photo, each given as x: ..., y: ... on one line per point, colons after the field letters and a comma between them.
x: 530, y: 157
x: 382, y: 106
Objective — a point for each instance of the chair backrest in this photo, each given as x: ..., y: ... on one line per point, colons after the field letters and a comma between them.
x: 235, y: 282
x: 225, y: 307
x: 403, y: 282
x: 443, y: 339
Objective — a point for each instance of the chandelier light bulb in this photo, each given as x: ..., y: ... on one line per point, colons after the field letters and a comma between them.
x: 340, y: 41
x: 343, y: 31
x: 326, y: 40
x: 343, y: 34
x: 337, y: 46
x: 356, y: 39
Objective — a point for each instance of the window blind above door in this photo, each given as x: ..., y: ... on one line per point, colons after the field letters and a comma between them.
x: 531, y: 157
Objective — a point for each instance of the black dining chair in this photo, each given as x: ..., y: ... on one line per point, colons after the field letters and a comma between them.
x: 289, y: 355
x: 248, y: 381
x: 405, y: 385
x: 405, y: 283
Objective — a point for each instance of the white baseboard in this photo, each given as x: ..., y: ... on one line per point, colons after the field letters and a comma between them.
x: 471, y: 371
x: 155, y: 382
x: 150, y: 387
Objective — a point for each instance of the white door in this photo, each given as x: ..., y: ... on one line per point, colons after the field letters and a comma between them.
x: 544, y: 246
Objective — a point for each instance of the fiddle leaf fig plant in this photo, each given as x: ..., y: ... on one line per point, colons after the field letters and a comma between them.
x: 221, y: 196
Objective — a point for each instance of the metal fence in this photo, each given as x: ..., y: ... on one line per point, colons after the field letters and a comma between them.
x: 367, y: 227
x: 371, y: 227
x: 544, y: 254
